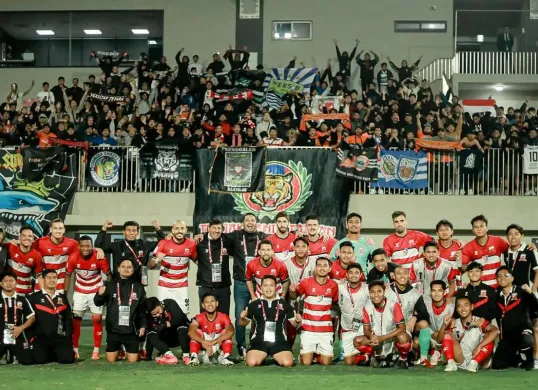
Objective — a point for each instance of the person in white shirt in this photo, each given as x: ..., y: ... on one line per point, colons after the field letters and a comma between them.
x: 196, y: 65
x: 264, y: 126
x: 14, y: 96
x: 273, y: 140
x: 46, y: 95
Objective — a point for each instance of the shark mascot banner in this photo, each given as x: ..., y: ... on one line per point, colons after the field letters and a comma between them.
x: 37, y: 193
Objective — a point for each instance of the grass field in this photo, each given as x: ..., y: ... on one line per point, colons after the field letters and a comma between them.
x: 149, y: 375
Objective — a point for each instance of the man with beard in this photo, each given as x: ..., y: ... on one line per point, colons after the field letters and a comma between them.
x: 345, y: 258
x: 319, y: 245
x: 362, y: 246
x: 282, y: 238
x: 266, y: 265
x: 24, y: 261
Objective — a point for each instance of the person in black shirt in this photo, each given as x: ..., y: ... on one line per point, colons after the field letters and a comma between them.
x: 269, y: 316
x: 516, y: 305
x: 520, y: 259
x: 125, y: 314
x: 483, y: 297
x: 53, y: 329
x: 383, y: 270
x: 18, y: 317
x: 3, y: 252
x: 167, y: 328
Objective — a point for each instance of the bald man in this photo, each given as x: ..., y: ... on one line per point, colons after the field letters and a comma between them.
x: 173, y: 255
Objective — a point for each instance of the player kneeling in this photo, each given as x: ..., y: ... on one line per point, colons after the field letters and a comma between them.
x: 211, y: 331
x: 384, y: 329
x: 467, y: 341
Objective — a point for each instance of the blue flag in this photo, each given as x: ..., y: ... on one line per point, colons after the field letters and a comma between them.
x: 279, y: 82
x: 406, y: 170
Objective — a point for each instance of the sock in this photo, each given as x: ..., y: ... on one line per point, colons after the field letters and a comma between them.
x: 75, y: 349
x: 366, y: 350
x: 168, y: 353
x: 95, y: 349
x: 484, y: 353
x: 226, y: 347
x: 360, y: 358
x: 448, y: 347
x: 97, y: 331
x: 194, y: 347
x: 77, y: 322
x: 403, y: 349
x: 424, y: 341
x: 142, y: 345
x: 185, y: 354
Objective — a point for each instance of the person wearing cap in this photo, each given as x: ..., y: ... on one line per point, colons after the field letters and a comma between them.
x: 483, y: 296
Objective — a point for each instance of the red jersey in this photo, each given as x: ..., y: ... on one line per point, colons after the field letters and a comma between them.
x: 23, y: 265
x: 404, y: 250
x: 87, y: 272
x: 175, y: 265
x: 450, y: 252
x: 489, y: 255
x: 212, y: 329
x: 320, y: 248
x: 256, y: 270
x: 283, y: 247
x: 55, y: 256
x: 318, y: 299
x: 337, y: 272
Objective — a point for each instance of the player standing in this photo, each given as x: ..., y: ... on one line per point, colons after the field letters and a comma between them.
x: 319, y: 246
x: 362, y: 246
x: 87, y: 269
x: 346, y: 257
x: 266, y: 265
x: 449, y: 249
x: 403, y: 246
x: 282, y: 238
x: 24, y: 261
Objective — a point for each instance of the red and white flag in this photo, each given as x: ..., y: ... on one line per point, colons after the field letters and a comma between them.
x: 479, y: 105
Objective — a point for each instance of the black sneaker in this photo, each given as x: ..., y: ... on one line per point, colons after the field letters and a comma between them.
x: 403, y: 365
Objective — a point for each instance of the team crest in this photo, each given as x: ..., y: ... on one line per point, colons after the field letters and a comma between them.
x: 134, y: 296
x: 19, y: 305
x: 483, y: 293
x: 104, y: 169
x: 287, y: 188
x: 60, y: 301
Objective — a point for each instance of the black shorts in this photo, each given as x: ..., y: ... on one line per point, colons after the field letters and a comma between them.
x: 114, y: 341
x: 270, y: 349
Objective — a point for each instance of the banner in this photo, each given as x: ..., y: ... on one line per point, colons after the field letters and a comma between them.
x: 165, y: 162
x: 104, y: 167
x: 357, y: 163
x: 437, y: 145
x: 530, y: 160
x: 471, y: 161
x: 479, y: 105
x: 300, y: 182
x: 107, y: 98
x: 405, y: 170
x: 238, y: 170
x: 235, y: 95
x: 34, y: 202
x: 36, y: 162
x: 341, y: 117
x: 280, y: 81
x: 324, y: 104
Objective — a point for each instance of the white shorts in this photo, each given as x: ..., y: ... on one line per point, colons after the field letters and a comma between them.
x: 313, y: 342
x: 348, y: 349
x: 179, y: 294
x: 83, y: 302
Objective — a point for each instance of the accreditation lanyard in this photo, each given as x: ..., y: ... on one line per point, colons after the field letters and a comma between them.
x: 210, y: 250
x: 263, y: 311
x: 52, y: 303
x: 119, y: 296
x: 133, y: 252
x: 350, y: 292
x: 304, y: 268
x: 6, y: 319
x: 245, y: 245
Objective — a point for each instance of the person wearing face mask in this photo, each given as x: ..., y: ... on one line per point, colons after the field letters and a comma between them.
x: 126, y: 320
x: 344, y: 59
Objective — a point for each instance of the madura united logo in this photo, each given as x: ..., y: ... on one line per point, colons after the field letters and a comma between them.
x: 287, y: 188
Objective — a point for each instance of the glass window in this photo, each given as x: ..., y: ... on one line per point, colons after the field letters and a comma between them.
x: 292, y: 30
x: 426, y: 26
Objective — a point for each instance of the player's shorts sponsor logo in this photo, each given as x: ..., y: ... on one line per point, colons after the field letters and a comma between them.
x: 104, y: 168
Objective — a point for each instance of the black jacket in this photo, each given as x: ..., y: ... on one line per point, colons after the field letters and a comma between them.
x: 173, y: 314
x: 19, y: 310
x: 136, y: 303
x: 515, y: 311
x: 484, y: 299
x: 203, y: 276
x: 240, y: 239
x: 50, y: 318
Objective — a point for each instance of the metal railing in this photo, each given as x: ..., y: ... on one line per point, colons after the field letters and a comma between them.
x: 473, y: 62
x: 436, y: 69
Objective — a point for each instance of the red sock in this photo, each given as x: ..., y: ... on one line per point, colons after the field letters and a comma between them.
x: 484, y: 353
x: 404, y: 350
x: 448, y: 347
x: 360, y: 358
x: 195, y: 346
x: 77, y: 322
x: 97, y: 320
x: 227, y: 346
x: 366, y: 349
x: 431, y: 352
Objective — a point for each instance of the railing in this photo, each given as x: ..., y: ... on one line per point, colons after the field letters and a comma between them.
x: 473, y: 62
x: 436, y: 69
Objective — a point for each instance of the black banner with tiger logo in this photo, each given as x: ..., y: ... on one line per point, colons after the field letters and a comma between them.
x: 300, y: 182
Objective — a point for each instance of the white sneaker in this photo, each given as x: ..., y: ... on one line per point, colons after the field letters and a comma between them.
x: 205, y: 358
x: 462, y: 192
x: 225, y: 361
x: 380, y: 191
x: 449, y: 192
x: 451, y: 366
x: 434, y: 359
x: 194, y: 361
x: 528, y: 193
x: 372, y: 191
x: 470, y: 192
x: 535, y: 364
x: 472, y: 366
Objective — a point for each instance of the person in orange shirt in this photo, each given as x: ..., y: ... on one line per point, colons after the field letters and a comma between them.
x: 45, y: 136
x: 358, y: 138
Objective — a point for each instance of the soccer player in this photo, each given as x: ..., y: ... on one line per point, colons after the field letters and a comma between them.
x: 282, y: 238
x: 383, y: 269
x: 55, y: 250
x: 269, y: 315
x: 211, y: 331
x: 449, y: 249
x: 432, y: 267
x: 438, y: 307
x: 352, y: 298
x: 125, y: 314
x: 517, y: 306
x: 87, y: 269
x: 384, y: 328
x: 362, y: 246
x: 24, y: 261
x: 319, y: 246
x: 53, y: 327
x: 482, y: 296
x: 318, y: 293
x: 17, y: 319
x: 174, y: 256
x: 346, y: 257
x: 266, y: 265
x: 403, y: 246
x: 468, y: 341
x: 167, y: 328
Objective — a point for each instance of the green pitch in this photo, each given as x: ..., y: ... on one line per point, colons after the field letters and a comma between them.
x: 149, y: 375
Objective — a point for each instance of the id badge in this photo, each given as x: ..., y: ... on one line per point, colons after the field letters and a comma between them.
x: 216, y: 273
x: 8, y: 334
x: 144, y: 275
x: 270, y: 330
x: 248, y: 259
x: 124, y: 314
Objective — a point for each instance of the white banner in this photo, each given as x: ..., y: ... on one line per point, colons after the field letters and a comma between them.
x: 530, y: 160
x: 327, y: 102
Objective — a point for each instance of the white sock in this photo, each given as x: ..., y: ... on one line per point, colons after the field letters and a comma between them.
x: 95, y: 349
x: 225, y: 355
x: 169, y: 353
x: 75, y: 349
x: 185, y: 355
x: 142, y: 346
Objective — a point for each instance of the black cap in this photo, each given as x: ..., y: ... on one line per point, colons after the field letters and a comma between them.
x: 408, y: 114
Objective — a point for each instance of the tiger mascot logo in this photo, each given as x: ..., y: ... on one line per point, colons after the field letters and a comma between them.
x: 287, y: 187
x: 104, y: 168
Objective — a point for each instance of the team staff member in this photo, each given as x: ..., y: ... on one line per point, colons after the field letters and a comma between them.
x: 18, y: 317
x: 130, y: 247
x: 270, y: 315
x: 167, y: 328
x: 53, y: 327
x: 362, y: 246
x: 24, y: 261
x: 517, y: 305
x: 213, y: 274
x: 482, y: 296
x: 383, y: 269
x: 126, y: 312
